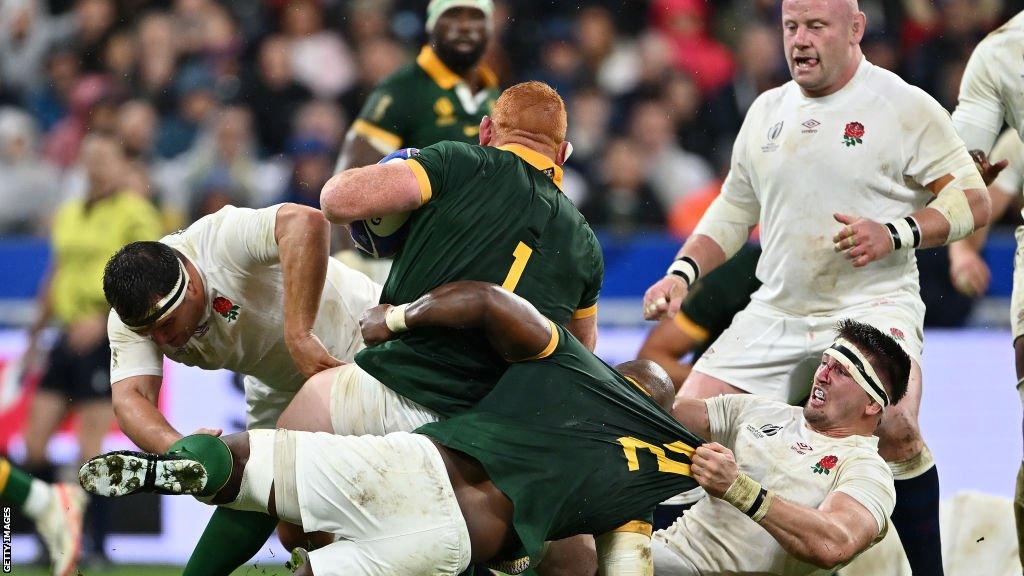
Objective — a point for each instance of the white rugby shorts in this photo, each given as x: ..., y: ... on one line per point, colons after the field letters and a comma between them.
x: 263, y: 403
x: 360, y: 405
x: 774, y: 354
x: 388, y: 497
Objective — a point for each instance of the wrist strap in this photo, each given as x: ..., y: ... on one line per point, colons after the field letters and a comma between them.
x: 749, y: 497
x: 395, y: 318
x: 686, y: 268
x: 904, y: 233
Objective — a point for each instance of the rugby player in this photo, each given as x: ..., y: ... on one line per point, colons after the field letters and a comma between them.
x: 990, y: 95
x: 493, y: 213
x: 252, y: 291
x: 837, y: 167
x: 833, y: 492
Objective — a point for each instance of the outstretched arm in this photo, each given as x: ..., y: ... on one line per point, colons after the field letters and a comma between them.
x: 512, y: 325
x: 375, y: 190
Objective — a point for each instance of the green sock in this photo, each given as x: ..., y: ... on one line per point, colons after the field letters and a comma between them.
x: 231, y: 538
x: 213, y: 454
x: 14, y: 484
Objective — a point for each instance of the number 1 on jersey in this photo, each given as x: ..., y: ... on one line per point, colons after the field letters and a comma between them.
x: 522, y: 255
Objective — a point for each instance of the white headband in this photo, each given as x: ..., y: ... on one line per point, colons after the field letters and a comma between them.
x: 169, y: 303
x: 859, y: 368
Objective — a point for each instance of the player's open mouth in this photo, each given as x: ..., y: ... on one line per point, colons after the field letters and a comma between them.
x: 817, y: 397
x: 805, y: 62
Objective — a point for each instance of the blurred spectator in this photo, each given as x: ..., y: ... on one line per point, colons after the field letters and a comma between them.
x: 273, y: 95
x: 86, y: 97
x: 158, y: 53
x: 120, y: 59
x: 612, y: 61
x: 560, y: 63
x: 313, y: 165
x: 320, y: 121
x: 197, y: 104
x: 27, y: 33
x: 94, y: 21
x: 944, y: 53
x: 321, y: 60
x: 623, y: 202
x: 672, y: 172
x: 589, y: 120
x: 136, y: 129
x: 759, y: 68
x: 25, y: 175
x: 685, y: 24
x: 49, y: 104
x: 378, y: 59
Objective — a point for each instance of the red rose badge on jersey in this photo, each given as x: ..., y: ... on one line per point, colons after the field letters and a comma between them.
x: 225, y: 308
x: 825, y: 464
x: 854, y: 133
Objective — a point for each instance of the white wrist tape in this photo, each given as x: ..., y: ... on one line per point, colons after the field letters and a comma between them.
x: 727, y: 224
x: 952, y: 202
x: 686, y: 268
x: 395, y: 318
x: 904, y: 233
x: 624, y: 554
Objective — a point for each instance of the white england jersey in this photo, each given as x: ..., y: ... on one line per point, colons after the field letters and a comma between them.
x: 774, y: 445
x: 992, y: 88
x: 236, y: 254
x: 867, y: 150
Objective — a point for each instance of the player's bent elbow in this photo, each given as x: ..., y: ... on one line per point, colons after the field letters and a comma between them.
x: 334, y: 204
x: 828, y: 553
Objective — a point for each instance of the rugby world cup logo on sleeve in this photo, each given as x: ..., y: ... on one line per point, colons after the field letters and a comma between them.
x: 854, y: 133
x: 825, y: 464
x: 225, y: 308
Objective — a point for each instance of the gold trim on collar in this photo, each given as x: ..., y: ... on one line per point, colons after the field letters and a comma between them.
x: 537, y: 160
x: 444, y: 77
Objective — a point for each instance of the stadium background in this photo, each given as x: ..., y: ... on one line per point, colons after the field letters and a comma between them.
x: 247, y: 102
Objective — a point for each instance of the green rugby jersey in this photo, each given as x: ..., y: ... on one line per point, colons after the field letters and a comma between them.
x: 576, y: 447
x: 494, y: 215
x: 717, y: 297
x: 424, y: 103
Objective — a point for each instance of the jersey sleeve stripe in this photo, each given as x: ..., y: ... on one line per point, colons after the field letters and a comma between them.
x: 552, y: 344
x: 585, y: 312
x: 636, y: 527
x: 691, y: 328
x: 377, y: 136
x: 422, y: 179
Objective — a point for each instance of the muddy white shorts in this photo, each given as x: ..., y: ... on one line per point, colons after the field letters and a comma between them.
x: 771, y: 353
x: 388, y: 498
x: 360, y: 404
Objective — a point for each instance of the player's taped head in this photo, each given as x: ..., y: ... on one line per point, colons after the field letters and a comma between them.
x: 143, y: 282
x: 888, y: 362
x: 530, y: 110
x: 438, y: 7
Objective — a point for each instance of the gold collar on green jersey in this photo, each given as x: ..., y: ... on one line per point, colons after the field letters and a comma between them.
x: 537, y: 160
x: 443, y: 75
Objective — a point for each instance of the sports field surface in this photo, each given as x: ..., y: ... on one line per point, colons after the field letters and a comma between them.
x: 151, y: 570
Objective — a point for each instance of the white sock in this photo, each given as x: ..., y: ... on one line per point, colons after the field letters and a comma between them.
x: 39, y: 495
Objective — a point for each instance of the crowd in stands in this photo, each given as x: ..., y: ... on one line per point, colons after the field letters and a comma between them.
x: 247, y: 103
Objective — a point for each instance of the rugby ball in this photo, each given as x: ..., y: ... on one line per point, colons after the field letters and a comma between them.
x: 382, y: 236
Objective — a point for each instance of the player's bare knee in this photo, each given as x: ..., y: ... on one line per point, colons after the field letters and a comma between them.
x: 290, y: 535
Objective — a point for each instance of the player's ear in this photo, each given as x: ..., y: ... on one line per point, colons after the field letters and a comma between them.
x: 873, y: 408
x: 564, y: 151
x: 486, y: 130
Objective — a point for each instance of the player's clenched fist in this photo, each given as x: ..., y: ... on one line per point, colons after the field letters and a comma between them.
x: 663, y: 299
x: 861, y: 240
x: 374, y: 325
x: 713, y: 466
